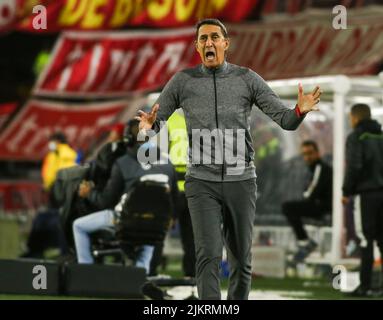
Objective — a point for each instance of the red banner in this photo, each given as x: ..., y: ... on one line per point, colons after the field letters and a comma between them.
x: 113, y: 64
x: 310, y: 45
x: 27, y: 135
x: 6, y: 110
x: 114, y: 14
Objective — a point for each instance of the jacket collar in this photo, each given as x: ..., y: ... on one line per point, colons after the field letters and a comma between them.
x: 220, y: 69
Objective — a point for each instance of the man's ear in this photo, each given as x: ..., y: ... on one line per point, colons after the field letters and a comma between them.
x: 196, y: 44
x: 227, y: 43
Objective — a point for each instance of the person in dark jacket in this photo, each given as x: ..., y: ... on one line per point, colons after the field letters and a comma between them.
x: 316, y: 201
x: 126, y: 171
x: 364, y: 181
x: 217, y: 98
x: 96, y: 173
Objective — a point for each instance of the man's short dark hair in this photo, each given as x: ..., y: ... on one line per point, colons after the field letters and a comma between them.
x: 310, y: 143
x: 214, y: 22
x: 361, y: 111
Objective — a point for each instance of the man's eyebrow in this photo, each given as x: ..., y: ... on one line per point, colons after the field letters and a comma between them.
x: 212, y: 34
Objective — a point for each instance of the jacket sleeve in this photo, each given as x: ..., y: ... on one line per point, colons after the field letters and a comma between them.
x: 354, y: 158
x: 169, y: 101
x: 270, y: 104
x: 323, y: 189
x: 111, y: 194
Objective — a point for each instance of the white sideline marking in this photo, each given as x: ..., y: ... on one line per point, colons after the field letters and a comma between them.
x: 182, y: 292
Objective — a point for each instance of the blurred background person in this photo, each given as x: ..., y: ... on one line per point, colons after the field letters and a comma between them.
x: 116, y: 133
x: 364, y: 181
x: 59, y: 156
x: 178, y: 148
x: 125, y: 173
x: 46, y: 231
x: 316, y: 202
x: 96, y: 171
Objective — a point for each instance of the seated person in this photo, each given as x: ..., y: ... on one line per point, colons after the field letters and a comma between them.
x: 97, y: 171
x: 125, y: 172
x: 316, y: 200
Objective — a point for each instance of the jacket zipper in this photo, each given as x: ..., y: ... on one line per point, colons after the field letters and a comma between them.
x: 216, y: 122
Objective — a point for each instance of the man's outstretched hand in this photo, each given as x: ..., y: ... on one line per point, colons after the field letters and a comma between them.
x: 147, y: 119
x: 308, y: 102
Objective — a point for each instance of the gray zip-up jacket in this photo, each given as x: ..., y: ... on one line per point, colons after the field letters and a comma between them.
x: 221, y: 98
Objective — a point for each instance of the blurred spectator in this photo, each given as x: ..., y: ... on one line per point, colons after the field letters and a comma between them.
x: 268, y: 161
x: 178, y: 148
x: 125, y: 172
x: 46, y: 230
x: 116, y: 132
x: 364, y: 180
x: 316, y: 200
x: 97, y: 172
x: 60, y: 156
x: 112, y: 135
x: 114, y: 148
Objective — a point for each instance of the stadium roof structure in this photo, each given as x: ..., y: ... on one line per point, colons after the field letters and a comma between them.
x: 341, y: 91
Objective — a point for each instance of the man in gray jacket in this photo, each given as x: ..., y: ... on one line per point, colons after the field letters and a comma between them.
x: 217, y: 98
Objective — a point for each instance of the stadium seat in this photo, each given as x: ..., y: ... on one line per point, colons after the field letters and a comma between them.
x: 319, y: 229
x: 140, y: 222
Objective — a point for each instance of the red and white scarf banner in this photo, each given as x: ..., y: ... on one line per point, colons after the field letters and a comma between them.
x: 110, y: 64
x: 113, y: 64
x: 25, y: 138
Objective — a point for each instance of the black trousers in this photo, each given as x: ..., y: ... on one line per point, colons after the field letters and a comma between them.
x: 222, y: 213
x: 296, y: 210
x: 157, y: 259
x: 368, y: 219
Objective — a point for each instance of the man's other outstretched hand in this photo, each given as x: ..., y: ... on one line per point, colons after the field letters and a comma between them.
x: 147, y: 119
x: 308, y: 102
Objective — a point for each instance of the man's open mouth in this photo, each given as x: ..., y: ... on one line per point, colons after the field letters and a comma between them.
x: 210, y: 55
